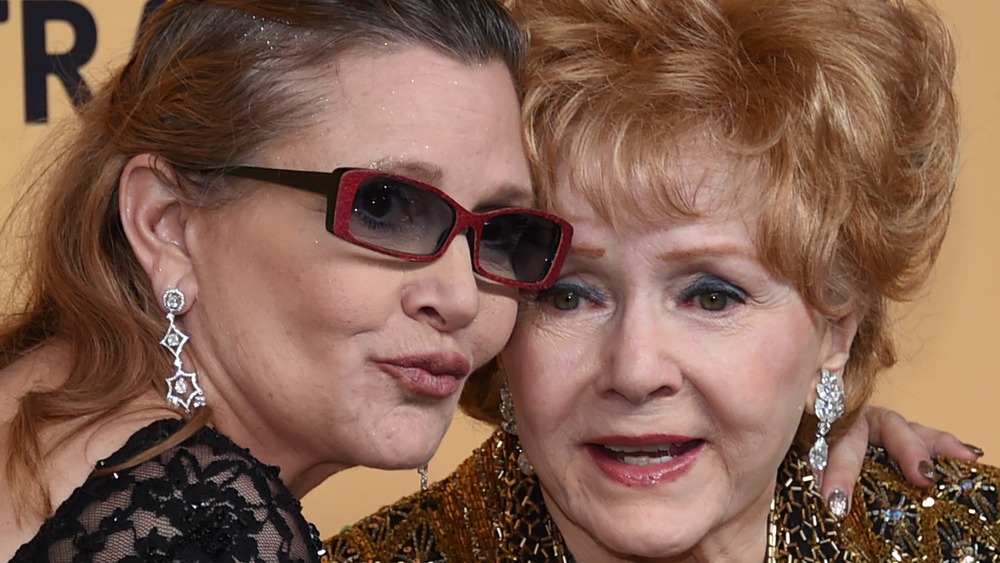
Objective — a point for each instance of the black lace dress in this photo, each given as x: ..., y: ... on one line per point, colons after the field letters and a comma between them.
x: 204, y: 500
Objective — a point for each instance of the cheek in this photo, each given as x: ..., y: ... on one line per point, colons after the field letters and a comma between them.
x: 545, y: 377
x: 494, y: 323
x: 297, y: 299
x: 763, y: 385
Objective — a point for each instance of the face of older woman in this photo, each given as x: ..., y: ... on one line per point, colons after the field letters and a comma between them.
x: 659, y: 384
x: 320, y: 354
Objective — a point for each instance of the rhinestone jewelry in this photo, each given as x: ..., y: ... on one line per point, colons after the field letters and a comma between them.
x: 509, y: 425
x: 422, y: 470
x: 829, y: 407
x: 182, y: 389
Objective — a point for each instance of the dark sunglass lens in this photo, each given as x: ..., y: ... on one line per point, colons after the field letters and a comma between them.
x: 398, y: 216
x: 519, y: 246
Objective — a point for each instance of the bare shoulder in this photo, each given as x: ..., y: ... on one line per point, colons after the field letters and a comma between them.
x: 41, y: 369
x: 70, y: 449
x: 44, y: 368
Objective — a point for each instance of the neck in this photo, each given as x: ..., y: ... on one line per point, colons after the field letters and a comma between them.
x: 300, y: 472
x: 271, y: 439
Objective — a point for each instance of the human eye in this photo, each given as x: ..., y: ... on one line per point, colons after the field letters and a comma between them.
x: 386, y: 204
x: 712, y: 293
x: 504, y: 232
x: 569, y: 296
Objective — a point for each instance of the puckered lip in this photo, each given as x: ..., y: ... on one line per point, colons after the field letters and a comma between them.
x: 434, y: 363
x: 435, y: 375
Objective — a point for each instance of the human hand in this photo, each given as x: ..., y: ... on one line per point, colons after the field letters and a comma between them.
x: 910, y: 444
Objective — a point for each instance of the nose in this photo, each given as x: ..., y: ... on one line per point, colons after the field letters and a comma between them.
x: 639, y: 356
x: 444, y: 293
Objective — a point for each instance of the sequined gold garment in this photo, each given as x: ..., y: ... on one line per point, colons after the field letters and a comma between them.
x: 488, y: 511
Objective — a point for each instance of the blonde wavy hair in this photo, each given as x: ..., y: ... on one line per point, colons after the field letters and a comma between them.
x: 843, y: 110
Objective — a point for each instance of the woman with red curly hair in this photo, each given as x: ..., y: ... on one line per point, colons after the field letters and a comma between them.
x: 751, y: 185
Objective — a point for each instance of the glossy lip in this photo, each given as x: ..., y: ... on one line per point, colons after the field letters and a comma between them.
x: 435, y: 376
x: 650, y: 475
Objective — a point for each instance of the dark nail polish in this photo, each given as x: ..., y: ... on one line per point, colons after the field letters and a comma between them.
x: 926, y: 469
x: 838, y: 504
x: 974, y: 449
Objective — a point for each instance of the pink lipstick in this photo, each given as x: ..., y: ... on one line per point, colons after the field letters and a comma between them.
x: 644, y: 461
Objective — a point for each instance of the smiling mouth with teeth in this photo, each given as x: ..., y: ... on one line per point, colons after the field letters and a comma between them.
x: 647, y: 455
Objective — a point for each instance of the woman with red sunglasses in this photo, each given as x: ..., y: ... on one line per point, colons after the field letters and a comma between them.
x: 201, y: 338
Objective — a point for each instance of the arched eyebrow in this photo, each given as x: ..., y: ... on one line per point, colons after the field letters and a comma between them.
x: 424, y: 171
x: 508, y: 194
x: 715, y: 250
x: 587, y: 251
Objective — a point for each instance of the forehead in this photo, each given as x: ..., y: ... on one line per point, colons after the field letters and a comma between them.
x: 688, y: 184
x: 414, y: 86
x: 414, y: 111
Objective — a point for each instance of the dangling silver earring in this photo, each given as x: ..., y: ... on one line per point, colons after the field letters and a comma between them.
x: 182, y: 389
x: 509, y: 425
x: 422, y: 470
x: 829, y: 407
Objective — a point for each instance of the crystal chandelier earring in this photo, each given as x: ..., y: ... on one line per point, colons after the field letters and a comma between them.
x: 829, y: 407
x: 182, y: 389
x: 422, y: 471
x: 509, y: 425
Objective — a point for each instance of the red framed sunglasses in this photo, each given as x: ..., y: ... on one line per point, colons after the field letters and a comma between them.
x: 407, y: 219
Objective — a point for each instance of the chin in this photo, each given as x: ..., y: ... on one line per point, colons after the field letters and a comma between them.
x: 648, y: 537
x: 406, y: 450
x: 412, y: 459
x: 646, y: 547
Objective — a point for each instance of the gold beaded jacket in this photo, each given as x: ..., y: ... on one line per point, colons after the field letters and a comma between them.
x: 489, y: 511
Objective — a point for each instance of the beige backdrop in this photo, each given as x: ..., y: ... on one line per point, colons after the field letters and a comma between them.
x: 948, y: 376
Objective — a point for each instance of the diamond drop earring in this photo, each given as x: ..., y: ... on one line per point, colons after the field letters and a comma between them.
x: 182, y: 389
x: 422, y: 470
x: 509, y: 425
x: 829, y: 407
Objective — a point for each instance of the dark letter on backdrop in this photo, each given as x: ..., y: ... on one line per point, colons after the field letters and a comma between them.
x: 4, y: 10
x: 148, y: 10
x: 38, y: 64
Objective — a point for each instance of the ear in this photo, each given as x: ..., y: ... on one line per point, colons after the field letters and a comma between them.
x: 837, y: 342
x: 836, y: 350
x: 154, y: 222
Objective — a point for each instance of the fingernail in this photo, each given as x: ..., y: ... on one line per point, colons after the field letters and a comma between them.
x: 927, y: 470
x: 837, y: 502
x: 975, y: 449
